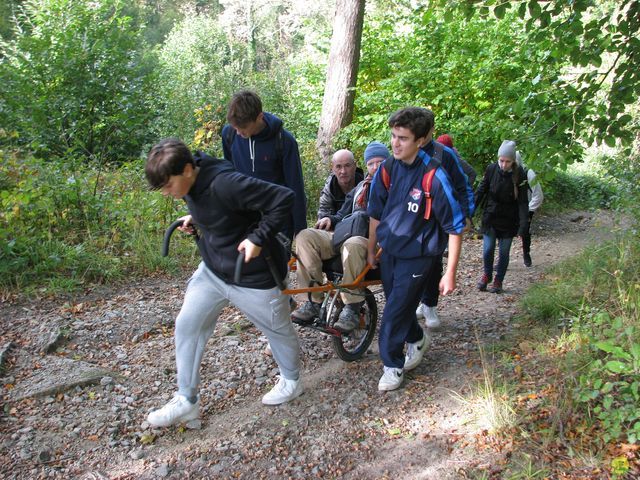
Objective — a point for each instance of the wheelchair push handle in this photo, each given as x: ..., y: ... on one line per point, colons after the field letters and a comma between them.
x: 167, y: 236
x: 237, y: 273
x: 169, y: 231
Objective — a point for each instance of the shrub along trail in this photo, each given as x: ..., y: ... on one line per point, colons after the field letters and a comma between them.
x: 341, y: 427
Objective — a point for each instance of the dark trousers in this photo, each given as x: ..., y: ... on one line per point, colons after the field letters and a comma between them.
x: 432, y: 286
x: 404, y: 281
x: 526, y: 238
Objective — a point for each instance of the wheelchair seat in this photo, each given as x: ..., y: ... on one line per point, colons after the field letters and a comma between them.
x: 332, y: 268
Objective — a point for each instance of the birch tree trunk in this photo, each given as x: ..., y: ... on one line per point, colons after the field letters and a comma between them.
x: 342, y: 74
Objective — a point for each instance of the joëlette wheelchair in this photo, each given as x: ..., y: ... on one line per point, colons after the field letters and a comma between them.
x: 349, y: 346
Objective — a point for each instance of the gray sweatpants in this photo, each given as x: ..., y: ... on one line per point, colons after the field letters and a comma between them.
x: 206, y: 296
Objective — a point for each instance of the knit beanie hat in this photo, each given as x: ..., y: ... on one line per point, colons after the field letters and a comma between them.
x: 507, y: 149
x: 375, y: 149
x: 445, y: 140
x: 518, y: 158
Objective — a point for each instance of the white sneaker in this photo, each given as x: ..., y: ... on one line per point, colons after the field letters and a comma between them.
x: 391, y: 379
x: 284, y: 391
x: 414, y: 354
x: 431, y: 319
x: 178, y: 410
x: 419, y: 311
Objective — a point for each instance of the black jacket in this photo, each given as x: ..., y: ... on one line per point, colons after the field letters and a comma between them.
x: 332, y: 197
x: 228, y: 207
x: 350, y: 202
x: 503, y: 212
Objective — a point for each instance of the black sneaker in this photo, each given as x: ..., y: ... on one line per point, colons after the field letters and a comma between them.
x: 527, y: 259
x: 496, y: 287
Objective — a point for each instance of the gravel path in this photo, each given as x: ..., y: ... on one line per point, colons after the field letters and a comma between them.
x: 341, y: 427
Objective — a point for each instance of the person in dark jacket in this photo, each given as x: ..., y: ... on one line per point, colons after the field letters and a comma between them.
x: 452, y: 164
x: 535, y: 196
x: 232, y: 213
x: 506, y: 214
x: 314, y: 245
x: 446, y: 140
x: 345, y: 174
x: 258, y: 145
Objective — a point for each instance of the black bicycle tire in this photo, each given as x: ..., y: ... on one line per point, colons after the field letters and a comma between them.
x: 363, y: 346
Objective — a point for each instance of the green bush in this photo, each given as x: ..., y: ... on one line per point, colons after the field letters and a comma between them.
x: 598, y: 293
x: 491, y: 86
x: 64, y: 223
x: 198, y: 66
x: 579, y: 191
x: 74, y: 81
x: 609, y: 384
x: 314, y: 175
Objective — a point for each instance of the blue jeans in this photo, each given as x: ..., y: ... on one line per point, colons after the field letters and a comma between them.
x: 488, y: 252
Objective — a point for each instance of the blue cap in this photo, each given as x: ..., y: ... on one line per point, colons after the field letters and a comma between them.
x: 375, y: 149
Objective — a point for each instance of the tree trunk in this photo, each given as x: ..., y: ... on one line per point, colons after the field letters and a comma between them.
x: 342, y: 74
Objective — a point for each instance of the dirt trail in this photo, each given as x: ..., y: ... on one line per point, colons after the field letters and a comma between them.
x: 342, y: 427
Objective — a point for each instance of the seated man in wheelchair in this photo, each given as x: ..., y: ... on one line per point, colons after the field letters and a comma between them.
x: 315, y: 245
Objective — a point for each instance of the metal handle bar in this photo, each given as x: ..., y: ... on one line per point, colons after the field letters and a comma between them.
x: 167, y: 236
x: 238, y: 270
x: 280, y: 282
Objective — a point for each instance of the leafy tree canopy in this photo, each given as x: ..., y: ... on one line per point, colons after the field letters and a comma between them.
x: 554, y: 76
x: 73, y: 80
x: 596, y: 47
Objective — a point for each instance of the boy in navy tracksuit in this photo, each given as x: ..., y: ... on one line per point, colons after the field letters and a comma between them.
x: 411, y: 243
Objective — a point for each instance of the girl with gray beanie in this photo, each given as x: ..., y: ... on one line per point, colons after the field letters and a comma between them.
x: 505, y: 213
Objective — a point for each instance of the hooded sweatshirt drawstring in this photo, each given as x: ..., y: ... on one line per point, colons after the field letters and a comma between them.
x: 252, y: 153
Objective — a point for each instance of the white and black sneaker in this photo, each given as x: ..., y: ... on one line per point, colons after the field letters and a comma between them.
x: 391, y: 379
x: 349, y: 318
x: 284, y: 391
x: 306, y: 313
x: 414, y: 354
x: 431, y: 319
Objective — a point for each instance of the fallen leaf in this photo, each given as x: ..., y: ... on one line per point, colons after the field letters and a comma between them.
x: 148, y: 438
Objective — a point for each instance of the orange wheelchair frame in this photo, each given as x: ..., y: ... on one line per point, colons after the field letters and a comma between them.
x: 349, y: 346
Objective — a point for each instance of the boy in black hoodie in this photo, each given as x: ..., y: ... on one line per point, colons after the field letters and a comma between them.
x: 233, y: 213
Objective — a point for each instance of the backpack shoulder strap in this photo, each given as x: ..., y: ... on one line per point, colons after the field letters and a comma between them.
x: 526, y: 177
x: 427, y: 180
x: 385, y: 173
x: 438, y: 151
x: 492, y: 170
x: 280, y: 145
